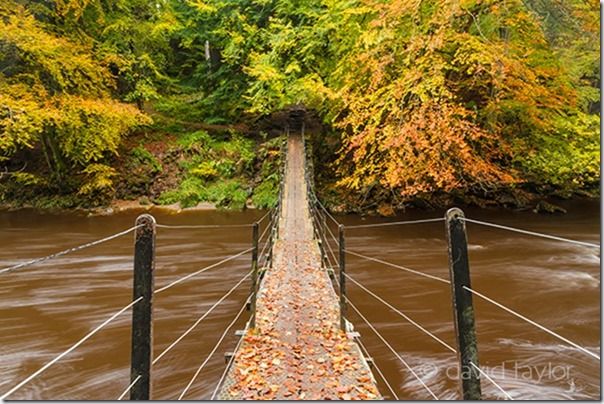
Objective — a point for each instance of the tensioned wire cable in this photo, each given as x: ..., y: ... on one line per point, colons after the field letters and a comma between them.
x: 419, y: 221
x: 398, y: 356
x: 530, y: 233
x: 129, y: 388
x: 184, y: 278
x: 226, y: 369
x: 200, y: 319
x: 70, y: 250
x: 222, y: 337
x: 70, y: 349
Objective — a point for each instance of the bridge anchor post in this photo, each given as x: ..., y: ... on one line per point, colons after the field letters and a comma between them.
x: 142, y: 312
x: 463, y: 309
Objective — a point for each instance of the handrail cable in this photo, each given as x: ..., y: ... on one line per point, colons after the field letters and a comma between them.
x: 200, y: 319
x: 269, y: 212
x: 323, y: 207
x: 129, y: 388
x: 528, y: 320
x: 391, y: 348
x: 269, y: 226
x: 333, y: 236
x: 480, y: 295
x: 324, y: 238
x: 413, y: 271
x: 489, y: 378
x: 226, y: 369
x: 202, y: 226
x: 222, y: 337
x: 266, y: 246
x: 70, y: 250
x: 333, y: 255
x: 261, y: 255
x: 266, y: 243
x: 336, y: 287
x: 400, y: 313
x: 445, y: 344
x: 375, y: 365
x: 70, y: 349
x: 232, y: 257
x: 531, y: 233
x: 363, y: 226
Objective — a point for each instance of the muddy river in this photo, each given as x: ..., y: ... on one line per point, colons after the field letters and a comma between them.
x: 46, y: 308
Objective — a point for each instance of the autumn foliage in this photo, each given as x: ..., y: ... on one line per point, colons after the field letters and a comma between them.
x: 423, y: 96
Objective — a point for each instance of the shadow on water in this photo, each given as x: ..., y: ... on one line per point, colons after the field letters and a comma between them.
x: 46, y: 308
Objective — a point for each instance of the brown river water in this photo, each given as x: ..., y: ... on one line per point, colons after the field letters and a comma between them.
x: 46, y: 308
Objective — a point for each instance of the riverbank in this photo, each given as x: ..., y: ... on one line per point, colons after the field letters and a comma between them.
x: 180, y: 166
x: 173, y: 165
x: 539, y: 204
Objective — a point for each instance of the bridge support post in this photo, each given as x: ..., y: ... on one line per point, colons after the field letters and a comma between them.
x: 463, y: 309
x: 343, y: 305
x: 142, y: 312
x: 254, y: 287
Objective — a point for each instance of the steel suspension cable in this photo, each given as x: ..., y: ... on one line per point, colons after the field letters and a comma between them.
x: 392, y: 349
x: 222, y: 337
x: 333, y: 236
x: 430, y: 334
x: 489, y: 378
x: 531, y: 233
x: 528, y: 320
x: 70, y: 349
x: 226, y: 369
x: 70, y: 250
x: 400, y: 313
x: 129, y: 388
x: 267, y: 244
x: 200, y: 319
x: 375, y: 365
x: 324, y: 209
x: 363, y: 226
x: 333, y: 255
x: 270, y: 212
x: 268, y: 227
x: 184, y: 278
x: 203, y: 226
x: 413, y: 271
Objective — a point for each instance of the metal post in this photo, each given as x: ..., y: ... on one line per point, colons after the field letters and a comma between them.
x: 463, y: 310
x: 142, y: 312
x: 254, y: 273
x: 342, y: 279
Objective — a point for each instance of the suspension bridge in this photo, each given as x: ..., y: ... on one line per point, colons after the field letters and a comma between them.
x: 299, y: 342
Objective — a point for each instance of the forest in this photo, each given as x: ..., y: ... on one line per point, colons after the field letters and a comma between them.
x: 408, y: 102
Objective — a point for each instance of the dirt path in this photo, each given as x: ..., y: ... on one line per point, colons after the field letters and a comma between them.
x: 297, y: 350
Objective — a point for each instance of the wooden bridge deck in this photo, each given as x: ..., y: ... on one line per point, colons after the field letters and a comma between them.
x: 297, y: 350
